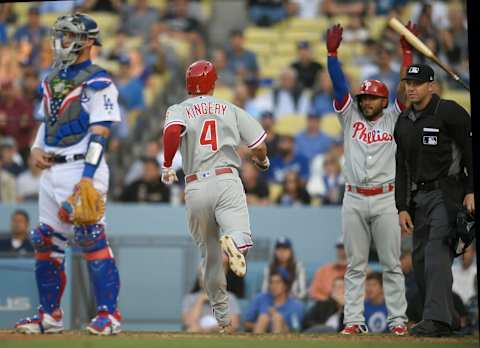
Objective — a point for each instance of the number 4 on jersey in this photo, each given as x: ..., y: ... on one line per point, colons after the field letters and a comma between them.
x: 208, y: 135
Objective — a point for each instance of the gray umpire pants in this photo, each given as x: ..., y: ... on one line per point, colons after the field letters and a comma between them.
x: 365, y: 218
x: 217, y: 205
x: 432, y: 257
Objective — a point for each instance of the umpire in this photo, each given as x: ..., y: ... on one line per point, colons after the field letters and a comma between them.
x: 433, y: 180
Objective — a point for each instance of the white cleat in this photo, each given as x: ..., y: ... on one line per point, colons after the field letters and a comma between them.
x: 41, y: 323
x: 236, y: 260
x: 105, y: 324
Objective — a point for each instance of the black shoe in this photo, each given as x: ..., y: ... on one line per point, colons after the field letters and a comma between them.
x: 431, y: 328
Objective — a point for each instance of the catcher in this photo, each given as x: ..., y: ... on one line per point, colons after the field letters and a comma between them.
x: 78, y: 107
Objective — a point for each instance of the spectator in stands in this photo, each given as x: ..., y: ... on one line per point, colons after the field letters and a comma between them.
x: 287, y: 98
x: 18, y: 240
x: 137, y: 19
x: 356, y: 30
x: 8, y: 193
x: 16, y: 116
x: 120, y: 47
x: 287, y: 160
x: 327, y: 315
x: 284, y: 256
x: 197, y: 315
x: 241, y: 98
x: 185, y: 26
x: 275, y: 311
x: 28, y: 183
x: 32, y: 34
x: 321, y: 102
x: 345, y: 7
x: 240, y: 61
x: 152, y: 149
x: 333, y: 186
x: 267, y: 120
x: 60, y: 6
x: 367, y: 61
x: 307, y: 8
x: 293, y: 191
x: 114, y: 6
x: 375, y: 308
x: 149, y: 188
x: 226, y: 77
x: 266, y: 13
x: 4, y: 11
x: 313, y: 141
x: 464, y: 271
x: 307, y: 69
x: 385, y: 72
x: 322, y: 282
x: 256, y: 188
x: 11, y: 160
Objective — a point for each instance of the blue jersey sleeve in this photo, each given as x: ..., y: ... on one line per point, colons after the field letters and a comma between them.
x: 340, y: 87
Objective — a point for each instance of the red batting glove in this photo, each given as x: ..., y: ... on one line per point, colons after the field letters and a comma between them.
x: 406, y: 47
x: 334, y: 37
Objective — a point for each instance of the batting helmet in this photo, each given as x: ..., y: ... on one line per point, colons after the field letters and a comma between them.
x: 373, y: 87
x: 200, y: 77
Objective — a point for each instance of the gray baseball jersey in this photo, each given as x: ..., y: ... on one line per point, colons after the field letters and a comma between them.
x: 214, y: 129
x: 370, y: 162
x: 216, y: 204
x: 369, y: 146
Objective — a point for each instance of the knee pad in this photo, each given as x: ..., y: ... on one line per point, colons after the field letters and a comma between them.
x: 47, y: 243
x: 93, y: 241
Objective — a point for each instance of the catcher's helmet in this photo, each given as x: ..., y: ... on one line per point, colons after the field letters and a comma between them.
x: 70, y: 34
x: 373, y: 87
x: 200, y: 77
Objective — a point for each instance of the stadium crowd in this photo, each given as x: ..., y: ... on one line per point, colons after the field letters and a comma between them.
x: 146, y: 46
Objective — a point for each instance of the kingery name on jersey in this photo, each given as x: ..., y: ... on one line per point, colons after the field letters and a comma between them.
x: 373, y: 136
x: 206, y: 109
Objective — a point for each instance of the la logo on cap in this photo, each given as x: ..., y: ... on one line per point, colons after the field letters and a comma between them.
x: 414, y: 70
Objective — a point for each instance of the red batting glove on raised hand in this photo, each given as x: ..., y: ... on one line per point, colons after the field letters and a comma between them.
x: 406, y: 47
x: 334, y: 37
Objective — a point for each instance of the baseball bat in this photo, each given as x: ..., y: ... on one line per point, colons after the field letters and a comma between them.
x: 396, y: 25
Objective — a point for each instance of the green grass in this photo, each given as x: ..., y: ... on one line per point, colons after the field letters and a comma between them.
x: 177, y: 340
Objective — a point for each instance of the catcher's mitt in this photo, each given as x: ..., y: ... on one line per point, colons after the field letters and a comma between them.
x: 84, y: 206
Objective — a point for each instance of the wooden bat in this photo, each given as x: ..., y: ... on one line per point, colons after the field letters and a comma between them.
x: 396, y: 25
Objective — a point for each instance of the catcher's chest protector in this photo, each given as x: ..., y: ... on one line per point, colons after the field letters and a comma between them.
x: 66, y: 121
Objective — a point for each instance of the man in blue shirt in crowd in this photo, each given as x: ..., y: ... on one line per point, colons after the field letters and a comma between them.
x: 313, y: 141
x: 275, y: 311
x: 241, y: 61
x: 375, y: 309
x: 33, y: 32
x: 288, y: 160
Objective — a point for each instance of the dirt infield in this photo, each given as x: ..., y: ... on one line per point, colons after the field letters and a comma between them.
x: 12, y: 336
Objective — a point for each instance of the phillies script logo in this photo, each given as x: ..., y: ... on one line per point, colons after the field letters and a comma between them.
x: 369, y: 137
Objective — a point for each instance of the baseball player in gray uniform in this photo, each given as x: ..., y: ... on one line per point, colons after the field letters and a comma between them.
x: 209, y: 131
x: 369, y: 210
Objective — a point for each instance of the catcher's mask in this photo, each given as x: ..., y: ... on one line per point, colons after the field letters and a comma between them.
x: 200, y: 77
x: 70, y: 34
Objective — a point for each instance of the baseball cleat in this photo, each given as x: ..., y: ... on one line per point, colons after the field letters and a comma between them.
x: 354, y: 329
x: 236, y: 260
x: 41, y: 323
x: 399, y: 330
x: 226, y: 330
x: 105, y: 324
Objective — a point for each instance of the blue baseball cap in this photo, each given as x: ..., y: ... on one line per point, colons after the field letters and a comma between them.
x: 284, y: 274
x: 283, y: 242
x: 303, y: 44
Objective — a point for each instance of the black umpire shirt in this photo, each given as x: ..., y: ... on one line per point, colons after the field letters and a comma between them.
x: 432, y: 144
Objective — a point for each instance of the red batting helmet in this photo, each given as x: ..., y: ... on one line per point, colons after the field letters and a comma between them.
x: 373, y: 87
x: 200, y: 77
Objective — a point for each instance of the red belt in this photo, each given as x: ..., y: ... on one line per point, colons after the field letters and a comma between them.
x: 206, y: 174
x: 370, y: 191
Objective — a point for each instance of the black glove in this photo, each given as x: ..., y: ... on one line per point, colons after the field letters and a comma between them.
x: 465, y: 232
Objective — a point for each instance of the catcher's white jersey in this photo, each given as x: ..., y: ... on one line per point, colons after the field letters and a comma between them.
x: 214, y: 129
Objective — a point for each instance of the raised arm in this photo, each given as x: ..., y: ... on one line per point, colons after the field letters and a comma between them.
x: 340, y: 89
x: 407, y: 60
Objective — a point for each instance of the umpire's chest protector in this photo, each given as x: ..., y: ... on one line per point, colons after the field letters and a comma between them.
x: 66, y: 121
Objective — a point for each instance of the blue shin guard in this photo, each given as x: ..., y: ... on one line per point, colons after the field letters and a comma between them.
x: 101, y: 265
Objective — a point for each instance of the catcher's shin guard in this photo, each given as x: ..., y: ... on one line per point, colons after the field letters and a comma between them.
x: 101, y: 265
x: 49, y: 266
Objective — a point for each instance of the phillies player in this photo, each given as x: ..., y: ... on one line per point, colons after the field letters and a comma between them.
x: 78, y: 107
x: 368, y: 210
x: 210, y: 130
